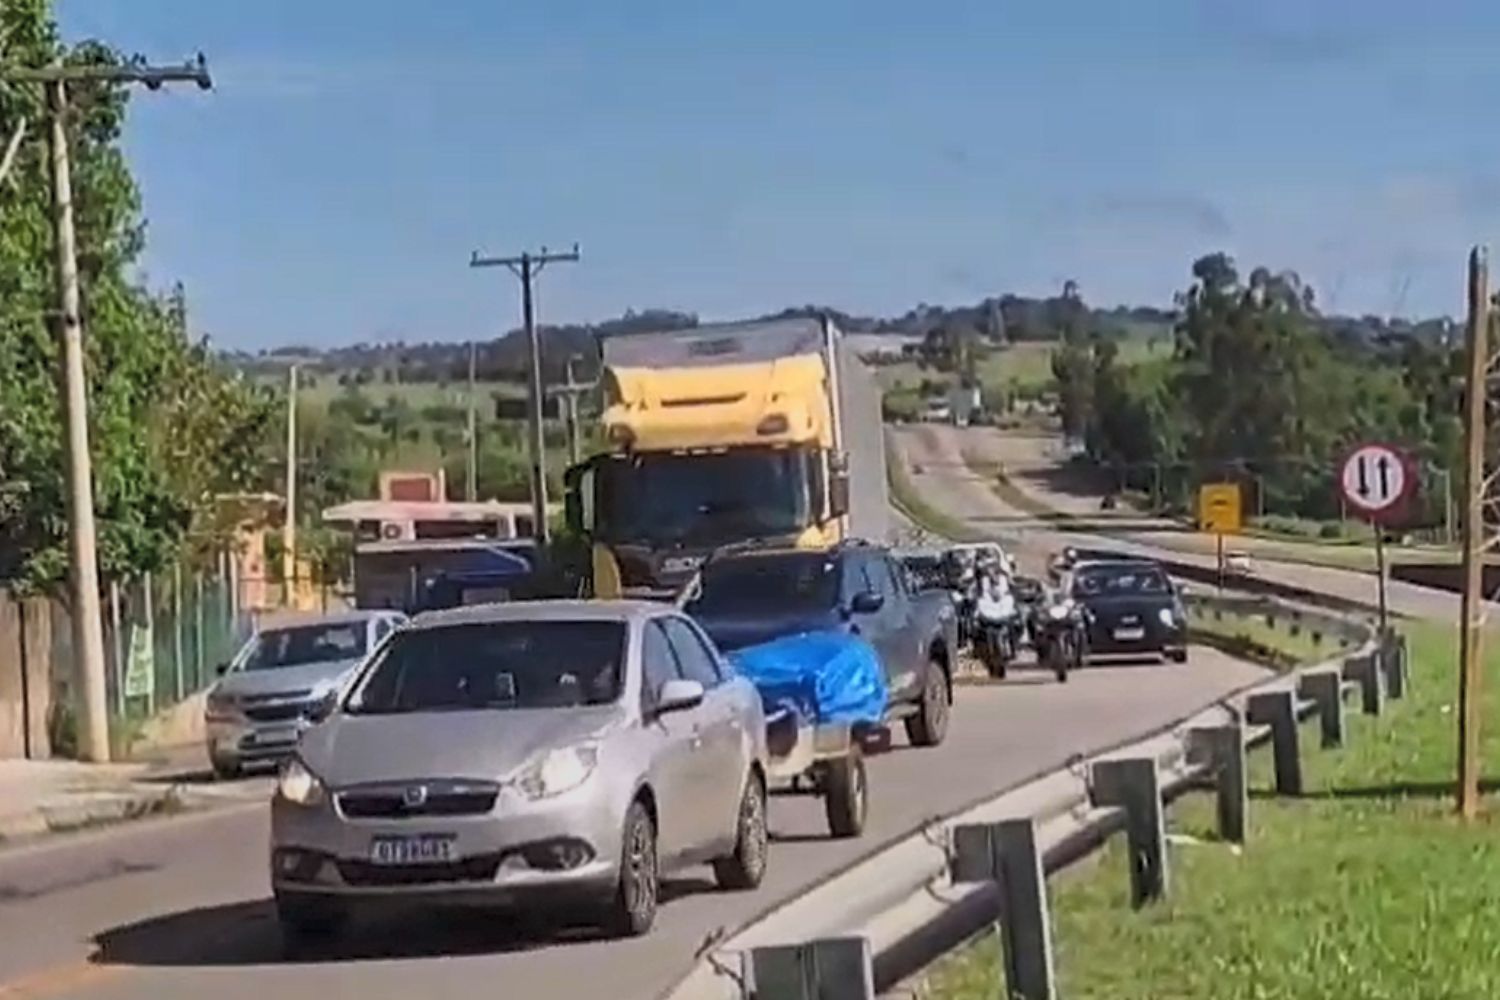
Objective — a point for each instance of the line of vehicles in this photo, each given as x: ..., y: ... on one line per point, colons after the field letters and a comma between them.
x: 562, y: 754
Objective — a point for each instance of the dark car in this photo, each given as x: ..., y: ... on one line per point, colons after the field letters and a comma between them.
x: 1131, y: 608
x: 755, y: 596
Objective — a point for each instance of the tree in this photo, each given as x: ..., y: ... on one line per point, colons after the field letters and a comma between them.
x: 168, y: 427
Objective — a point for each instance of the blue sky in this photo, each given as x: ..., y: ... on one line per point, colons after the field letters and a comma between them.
x: 732, y: 159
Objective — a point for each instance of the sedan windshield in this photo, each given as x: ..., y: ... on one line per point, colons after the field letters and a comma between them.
x: 1121, y: 581
x: 304, y: 644
x: 495, y: 665
x: 797, y: 583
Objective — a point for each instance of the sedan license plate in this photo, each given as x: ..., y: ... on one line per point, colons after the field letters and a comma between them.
x: 426, y: 849
x: 1134, y: 634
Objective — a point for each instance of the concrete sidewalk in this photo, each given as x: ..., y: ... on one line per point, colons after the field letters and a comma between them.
x: 39, y: 797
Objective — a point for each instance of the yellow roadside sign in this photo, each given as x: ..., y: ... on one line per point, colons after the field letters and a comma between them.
x: 1219, y: 511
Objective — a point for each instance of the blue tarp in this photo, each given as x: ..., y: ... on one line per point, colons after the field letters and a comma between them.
x: 825, y: 676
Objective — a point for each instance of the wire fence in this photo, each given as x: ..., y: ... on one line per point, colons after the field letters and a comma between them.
x: 166, y: 635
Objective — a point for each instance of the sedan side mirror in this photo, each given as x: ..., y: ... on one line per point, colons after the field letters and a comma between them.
x: 866, y: 602
x: 677, y: 695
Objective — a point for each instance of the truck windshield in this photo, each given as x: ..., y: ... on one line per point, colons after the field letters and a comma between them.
x: 800, y: 582
x: 708, y: 499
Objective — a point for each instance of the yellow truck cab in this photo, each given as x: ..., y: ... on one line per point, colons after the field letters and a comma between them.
x: 764, y: 432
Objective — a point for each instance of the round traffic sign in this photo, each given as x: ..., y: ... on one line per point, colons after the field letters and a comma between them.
x: 1375, y: 478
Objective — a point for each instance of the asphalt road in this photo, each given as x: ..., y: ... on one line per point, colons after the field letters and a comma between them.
x: 179, y: 909
x: 947, y: 483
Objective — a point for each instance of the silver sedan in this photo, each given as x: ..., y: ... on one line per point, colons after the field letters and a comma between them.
x: 558, y: 755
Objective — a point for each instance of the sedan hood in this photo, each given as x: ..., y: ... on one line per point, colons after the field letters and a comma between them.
x: 738, y: 631
x: 484, y: 745
x: 304, y: 679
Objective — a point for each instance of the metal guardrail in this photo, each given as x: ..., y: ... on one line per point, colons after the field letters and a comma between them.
x: 887, y: 917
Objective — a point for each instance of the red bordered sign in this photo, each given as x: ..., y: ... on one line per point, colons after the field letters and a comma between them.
x: 1377, y: 480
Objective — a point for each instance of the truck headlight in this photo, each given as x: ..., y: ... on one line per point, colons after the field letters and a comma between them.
x: 300, y: 786
x: 558, y: 771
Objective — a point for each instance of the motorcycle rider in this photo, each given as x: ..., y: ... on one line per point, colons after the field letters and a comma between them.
x: 997, y: 618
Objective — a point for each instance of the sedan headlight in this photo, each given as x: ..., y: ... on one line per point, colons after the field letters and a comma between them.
x: 220, y: 704
x: 1168, y: 617
x: 300, y: 786
x: 558, y: 771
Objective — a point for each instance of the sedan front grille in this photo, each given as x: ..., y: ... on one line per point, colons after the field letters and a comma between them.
x: 435, y: 800
x: 276, y: 713
x: 481, y: 868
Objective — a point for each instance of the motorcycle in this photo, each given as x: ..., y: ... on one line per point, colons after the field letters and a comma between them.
x: 999, y: 631
x: 1059, y: 635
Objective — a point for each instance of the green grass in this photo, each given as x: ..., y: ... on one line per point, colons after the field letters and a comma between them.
x: 909, y: 500
x: 1366, y: 888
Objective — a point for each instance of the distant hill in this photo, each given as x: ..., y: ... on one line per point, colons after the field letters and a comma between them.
x: 1010, y: 318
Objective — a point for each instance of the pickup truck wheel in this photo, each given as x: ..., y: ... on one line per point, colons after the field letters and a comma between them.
x: 744, y: 868
x: 929, y: 726
x: 845, y: 798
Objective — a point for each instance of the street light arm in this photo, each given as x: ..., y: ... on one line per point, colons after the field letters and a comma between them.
x: 135, y: 71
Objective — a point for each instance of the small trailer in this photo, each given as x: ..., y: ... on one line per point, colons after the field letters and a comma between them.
x: 824, y: 759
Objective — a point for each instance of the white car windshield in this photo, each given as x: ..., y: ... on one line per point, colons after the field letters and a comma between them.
x: 298, y: 646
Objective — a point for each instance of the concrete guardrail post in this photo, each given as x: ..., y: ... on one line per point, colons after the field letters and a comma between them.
x: 1278, y: 709
x: 826, y: 969
x: 1326, y: 688
x: 1132, y: 783
x: 1222, y: 748
x: 1365, y: 669
x: 1395, y: 662
x: 1007, y: 854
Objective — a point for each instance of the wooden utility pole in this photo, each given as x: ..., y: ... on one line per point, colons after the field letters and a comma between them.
x: 526, y: 267
x: 1471, y: 635
x: 83, y: 582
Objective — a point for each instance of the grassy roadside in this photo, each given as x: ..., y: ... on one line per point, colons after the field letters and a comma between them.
x: 909, y: 501
x: 1366, y: 887
x: 1261, y: 542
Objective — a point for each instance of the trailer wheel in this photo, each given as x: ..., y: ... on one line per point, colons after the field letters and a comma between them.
x: 845, y: 794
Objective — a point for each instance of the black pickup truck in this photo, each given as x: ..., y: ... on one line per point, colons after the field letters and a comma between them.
x: 762, y: 594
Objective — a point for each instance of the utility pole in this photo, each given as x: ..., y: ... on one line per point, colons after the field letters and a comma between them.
x: 526, y: 267
x: 1470, y: 638
x: 88, y: 631
x: 289, y: 525
x: 570, y: 392
x: 473, y: 489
